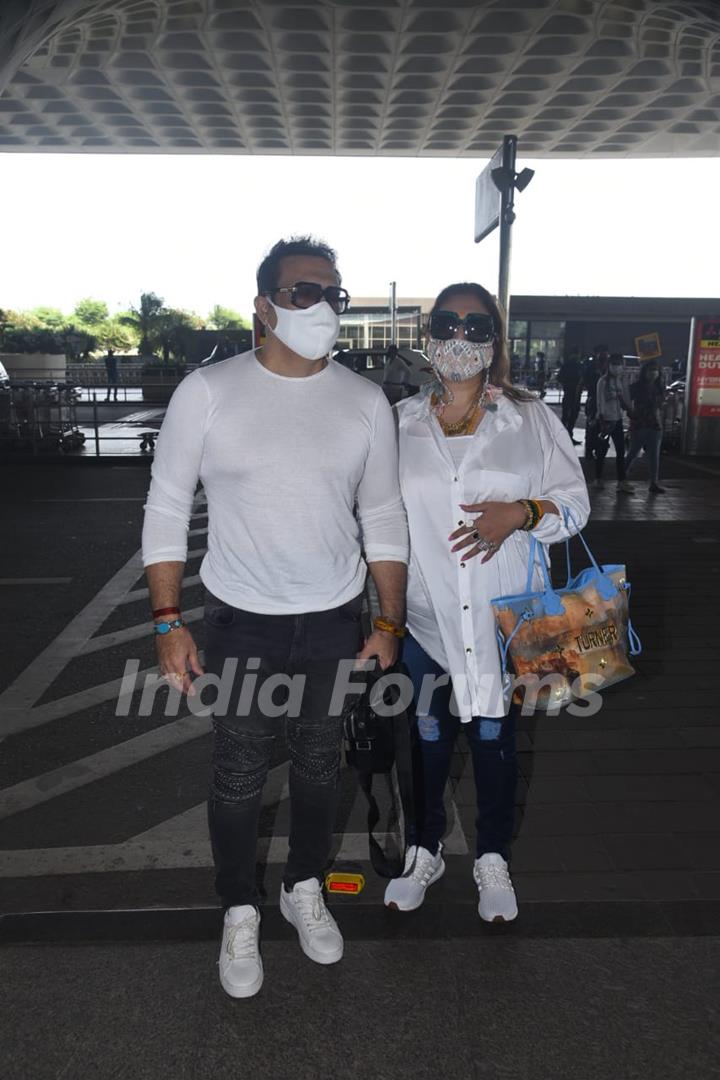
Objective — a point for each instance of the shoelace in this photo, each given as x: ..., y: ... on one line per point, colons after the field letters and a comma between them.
x: 423, y: 868
x: 312, y: 908
x: 493, y: 875
x: 243, y: 949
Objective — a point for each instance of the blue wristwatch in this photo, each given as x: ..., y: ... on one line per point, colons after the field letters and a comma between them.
x: 166, y: 627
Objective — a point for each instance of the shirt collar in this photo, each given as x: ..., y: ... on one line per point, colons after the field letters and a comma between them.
x: 507, y: 414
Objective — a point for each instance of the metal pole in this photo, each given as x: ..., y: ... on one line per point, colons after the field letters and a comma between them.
x: 507, y: 217
x: 685, y: 444
x: 95, y: 425
x: 393, y: 313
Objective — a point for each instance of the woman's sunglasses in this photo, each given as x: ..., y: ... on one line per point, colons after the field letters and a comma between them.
x: 478, y: 327
x: 305, y: 294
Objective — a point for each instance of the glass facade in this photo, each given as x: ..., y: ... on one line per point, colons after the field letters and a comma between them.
x: 370, y: 328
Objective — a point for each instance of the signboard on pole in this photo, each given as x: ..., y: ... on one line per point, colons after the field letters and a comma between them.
x: 487, y: 198
x: 703, y: 399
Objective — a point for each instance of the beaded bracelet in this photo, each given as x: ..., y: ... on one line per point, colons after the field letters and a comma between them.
x: 389, y: 627
x: 534, y: 512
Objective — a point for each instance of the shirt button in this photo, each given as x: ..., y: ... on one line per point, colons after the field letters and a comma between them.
x: 455, y: 479
x: 468, y: 649
x: 466, y: 607
x: 462, y: 564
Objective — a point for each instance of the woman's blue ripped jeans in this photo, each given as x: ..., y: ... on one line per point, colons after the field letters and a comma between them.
x: 492, y: 745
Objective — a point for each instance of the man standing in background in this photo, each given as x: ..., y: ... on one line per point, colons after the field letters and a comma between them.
x: 111, y: 368
x: 570, y: 379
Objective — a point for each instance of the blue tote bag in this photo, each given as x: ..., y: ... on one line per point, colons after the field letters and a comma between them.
x: 559, y: 645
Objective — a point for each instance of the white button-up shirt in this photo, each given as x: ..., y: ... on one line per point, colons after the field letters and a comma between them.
x: 518, y: 451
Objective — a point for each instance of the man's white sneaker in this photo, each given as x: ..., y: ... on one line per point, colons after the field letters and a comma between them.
x: 497, y: 896
x: 421, y: 869
x: 241, y: 969
x: 319, y: 935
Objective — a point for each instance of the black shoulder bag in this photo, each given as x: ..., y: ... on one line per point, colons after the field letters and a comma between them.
x: 374, y: 743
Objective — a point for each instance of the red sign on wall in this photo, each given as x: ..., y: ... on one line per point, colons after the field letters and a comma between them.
x: 704, y: 396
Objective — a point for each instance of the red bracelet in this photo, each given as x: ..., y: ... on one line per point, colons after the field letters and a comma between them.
x: 165, y: 611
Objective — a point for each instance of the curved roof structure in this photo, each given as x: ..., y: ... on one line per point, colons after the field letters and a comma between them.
x: 571, y: 78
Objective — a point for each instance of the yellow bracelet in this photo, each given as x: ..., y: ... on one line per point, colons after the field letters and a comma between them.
x: 389, y: 627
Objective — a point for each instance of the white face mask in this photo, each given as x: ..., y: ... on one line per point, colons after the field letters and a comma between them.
x: 309, y: 332
x: 458, y: 359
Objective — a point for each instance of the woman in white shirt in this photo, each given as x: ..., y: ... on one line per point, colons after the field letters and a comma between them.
x: 471, y: 447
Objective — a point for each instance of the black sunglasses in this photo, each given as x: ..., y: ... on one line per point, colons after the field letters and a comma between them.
x: 305, y: 294
x: 478, y: 327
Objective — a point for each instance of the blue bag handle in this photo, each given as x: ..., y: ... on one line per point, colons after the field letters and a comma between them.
x: 605, y: 585
x: 553, y: 603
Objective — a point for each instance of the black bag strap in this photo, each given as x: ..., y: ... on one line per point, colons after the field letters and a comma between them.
x: 390, y: 866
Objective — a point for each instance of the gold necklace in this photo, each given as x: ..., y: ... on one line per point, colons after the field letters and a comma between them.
x: 463, y: 425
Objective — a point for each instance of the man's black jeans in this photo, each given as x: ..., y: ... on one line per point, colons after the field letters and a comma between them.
x: 309, y: 648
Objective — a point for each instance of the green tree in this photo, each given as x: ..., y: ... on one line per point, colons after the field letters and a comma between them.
x: 147, y: 321
x: 48, y: 318
x: 89, y: 312
x: 174, y: 325
x: 224, y: 318
x: 112, y: 334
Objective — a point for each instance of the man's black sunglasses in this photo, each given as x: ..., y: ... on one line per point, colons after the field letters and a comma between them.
x: 305, y: 294
x: 478, y: 327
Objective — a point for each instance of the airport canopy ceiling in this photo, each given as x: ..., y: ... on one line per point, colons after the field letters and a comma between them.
x: 571, y: 78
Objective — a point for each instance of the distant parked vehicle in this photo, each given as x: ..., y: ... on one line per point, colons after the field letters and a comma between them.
x: 400, y: 371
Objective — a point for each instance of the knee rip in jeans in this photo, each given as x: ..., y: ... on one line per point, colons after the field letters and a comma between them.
x: 490, y: 729
x: 428, y: 728
x: 239, y: 765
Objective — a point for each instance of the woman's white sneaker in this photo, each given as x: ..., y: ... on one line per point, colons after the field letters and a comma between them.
x: 318, y: 933
x: 497, y: 896
x: 241, y: 969
x: 407, y: 893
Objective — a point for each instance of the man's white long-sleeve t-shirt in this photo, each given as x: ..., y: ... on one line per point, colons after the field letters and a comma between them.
x: 284, y: 463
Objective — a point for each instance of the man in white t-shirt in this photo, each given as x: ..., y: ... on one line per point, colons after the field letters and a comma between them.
x: 298, y: 459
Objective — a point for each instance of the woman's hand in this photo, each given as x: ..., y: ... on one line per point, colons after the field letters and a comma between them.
x: 486, y: 533
x: 175, y: 651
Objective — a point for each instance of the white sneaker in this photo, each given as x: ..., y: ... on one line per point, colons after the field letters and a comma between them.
x: 241, y: 969
x: 625, y: 489
x: 421, y: 869
x: 319, y: 935
x: 497, y: 896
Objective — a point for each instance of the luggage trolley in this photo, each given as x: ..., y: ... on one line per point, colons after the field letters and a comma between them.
x: 35, y: 415
x: 58, y: 416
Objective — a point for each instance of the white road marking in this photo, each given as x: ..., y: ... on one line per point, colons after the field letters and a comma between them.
x: 143, y: 594
x: 131, y: 633
x: 180, y: 841
x: 46, y: 786
x: 15, y: 718
x: 18, y: 699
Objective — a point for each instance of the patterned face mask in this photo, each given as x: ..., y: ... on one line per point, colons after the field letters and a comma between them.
x: 458, y: 359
